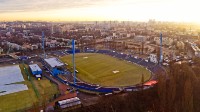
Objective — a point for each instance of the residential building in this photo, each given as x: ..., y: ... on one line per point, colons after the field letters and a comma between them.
x: 165, y: 41
x: 140, y: 38
x: 180, y: 45
x: 153, y: 58
x: 1, y: 50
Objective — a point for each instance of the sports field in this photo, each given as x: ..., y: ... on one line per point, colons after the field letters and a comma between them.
x: 106, y: 71
x: 20, y: 101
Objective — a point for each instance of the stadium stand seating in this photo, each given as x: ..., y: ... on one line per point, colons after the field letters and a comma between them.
x: 81, y: 85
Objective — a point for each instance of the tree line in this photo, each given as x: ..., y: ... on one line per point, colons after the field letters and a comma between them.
x: 178, y: 91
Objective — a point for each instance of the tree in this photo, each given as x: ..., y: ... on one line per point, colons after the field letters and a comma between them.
x: 171, y: 94
x: 142, y: 81
x: 176, y: 90
x: 162, y: 92
x: 188, y: 96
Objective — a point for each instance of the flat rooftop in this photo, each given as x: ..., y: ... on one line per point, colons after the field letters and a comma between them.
x: 35, y: 67
x: 8, y: 76
x: 54, y: 62
x: 13, y: 88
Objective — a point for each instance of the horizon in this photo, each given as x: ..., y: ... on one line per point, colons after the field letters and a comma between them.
x: 182, y: 11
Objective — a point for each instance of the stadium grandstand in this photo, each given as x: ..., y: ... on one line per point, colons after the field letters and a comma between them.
x: 89, y: 50
x: 54, y: 65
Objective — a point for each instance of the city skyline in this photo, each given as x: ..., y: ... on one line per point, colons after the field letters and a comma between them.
x: 99, y: 56
x: 99, y: 10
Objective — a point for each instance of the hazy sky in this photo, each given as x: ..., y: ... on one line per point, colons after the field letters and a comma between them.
x: 82, y: 10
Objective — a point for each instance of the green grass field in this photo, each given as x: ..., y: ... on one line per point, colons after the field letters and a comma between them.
x: 98, y: 69
x: 26, y: 99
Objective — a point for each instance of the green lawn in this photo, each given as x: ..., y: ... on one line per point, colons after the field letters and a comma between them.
x: 25, y: 99
x: 98, y: 69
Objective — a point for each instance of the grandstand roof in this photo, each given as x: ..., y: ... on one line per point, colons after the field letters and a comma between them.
x: 35, y: 67
x: 53, y: 62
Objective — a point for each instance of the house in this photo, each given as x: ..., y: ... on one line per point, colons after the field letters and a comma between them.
x: 153, y: 58
x: 165, y: 41
x: 1, y: 50
x: 180, y: 45
x: 140, y: 38
x: 34, y: 47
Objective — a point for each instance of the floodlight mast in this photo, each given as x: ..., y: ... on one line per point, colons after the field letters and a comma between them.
x: 73, y: 60
x: 43, y: 39
x: 161, y: 55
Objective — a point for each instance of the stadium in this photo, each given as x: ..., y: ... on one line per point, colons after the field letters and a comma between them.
x: 107, y: 71
x: 104, y: 70
x: 92, y: 71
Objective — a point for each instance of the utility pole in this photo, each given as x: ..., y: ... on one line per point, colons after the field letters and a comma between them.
x: 161, y: 55
x: 43, y: 39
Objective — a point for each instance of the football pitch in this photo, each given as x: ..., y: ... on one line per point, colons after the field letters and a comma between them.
x: 105, y: 70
